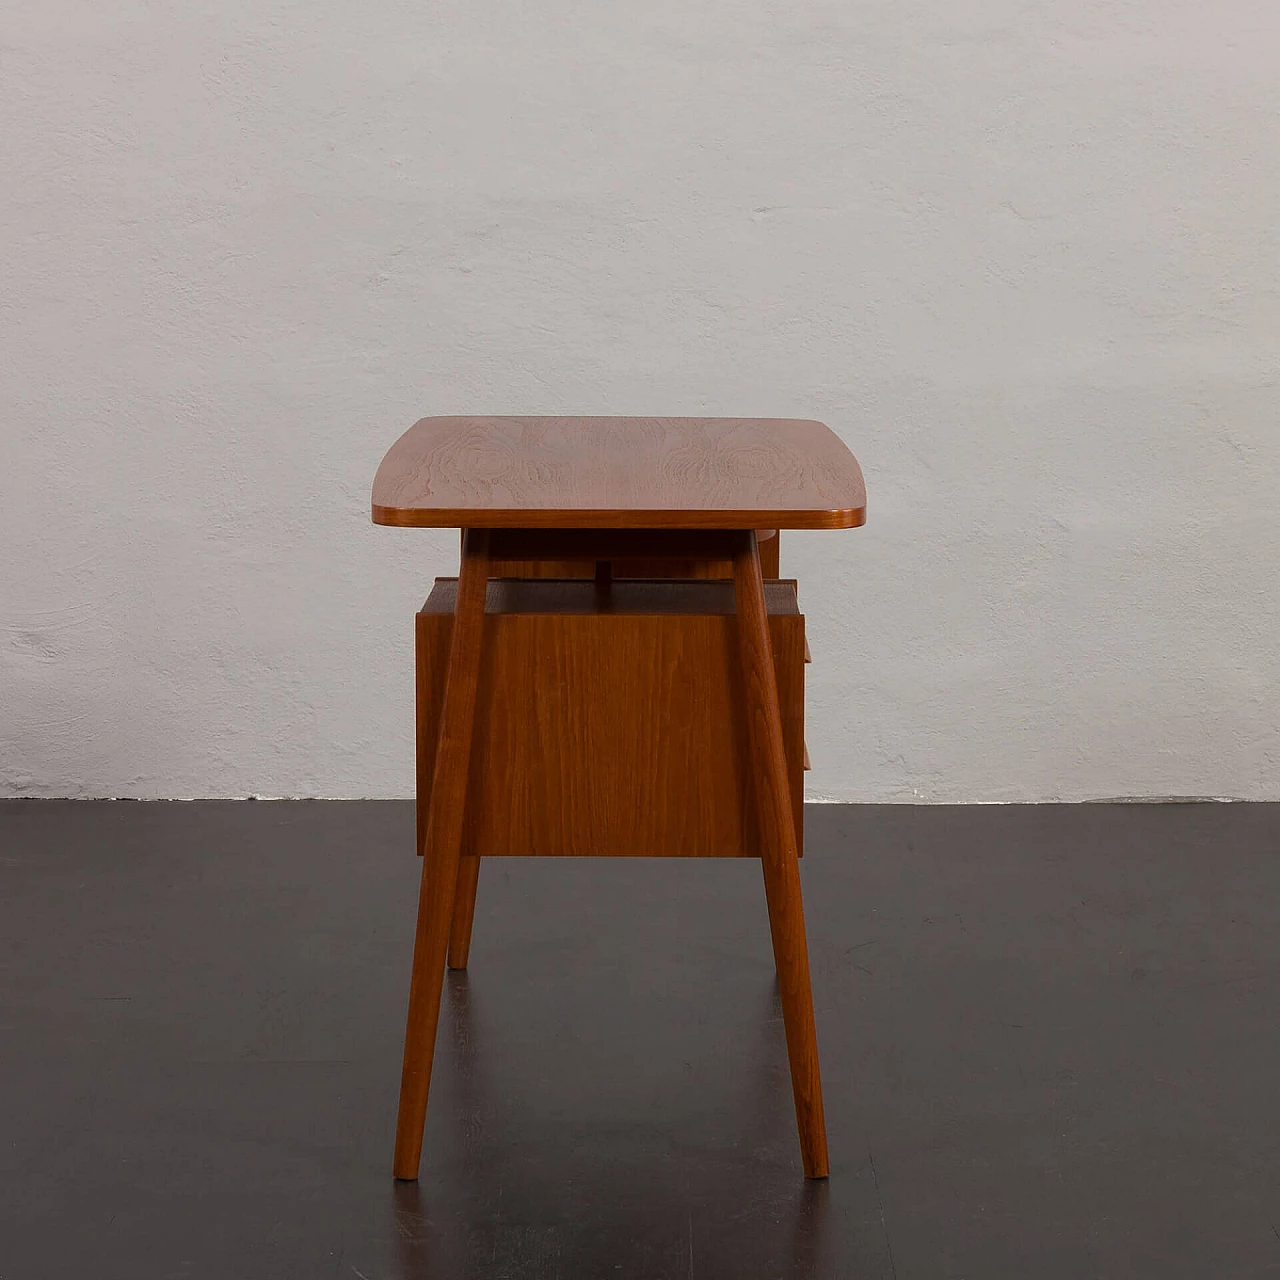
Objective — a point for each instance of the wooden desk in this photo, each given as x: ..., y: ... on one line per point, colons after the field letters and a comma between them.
x: 660, y: 501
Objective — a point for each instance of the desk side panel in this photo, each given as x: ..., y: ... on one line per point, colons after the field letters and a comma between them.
x: 611, y: 734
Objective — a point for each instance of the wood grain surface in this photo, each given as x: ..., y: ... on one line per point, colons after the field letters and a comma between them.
x: 611, y: 723
x: 621, y: 473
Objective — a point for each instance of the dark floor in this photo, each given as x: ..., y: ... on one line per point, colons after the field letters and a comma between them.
x: 1050, y: 1038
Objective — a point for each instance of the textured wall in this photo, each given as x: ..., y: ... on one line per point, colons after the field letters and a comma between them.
x: 1022, y: 255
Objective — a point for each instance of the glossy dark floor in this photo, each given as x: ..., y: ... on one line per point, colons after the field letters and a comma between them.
x: 1050, y: 1037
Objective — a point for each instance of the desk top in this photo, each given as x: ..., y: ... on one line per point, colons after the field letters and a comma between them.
x: 619, y: 473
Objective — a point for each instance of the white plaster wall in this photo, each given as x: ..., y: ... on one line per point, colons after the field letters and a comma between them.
x: 1022, y: 255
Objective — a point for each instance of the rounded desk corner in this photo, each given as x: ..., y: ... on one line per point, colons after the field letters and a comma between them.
x: 395, y: 517
x: 850, y: 518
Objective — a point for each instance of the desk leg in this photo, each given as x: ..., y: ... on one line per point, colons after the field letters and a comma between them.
x: 442, y: 844
x: 464, y: 911
x: 779, y: 853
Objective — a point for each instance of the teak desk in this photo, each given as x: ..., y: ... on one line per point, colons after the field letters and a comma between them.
x: 611, y: 673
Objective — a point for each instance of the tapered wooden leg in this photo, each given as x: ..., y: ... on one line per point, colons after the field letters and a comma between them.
x: 442, y: 844
x: 780, y: 853
x: 464, y: 912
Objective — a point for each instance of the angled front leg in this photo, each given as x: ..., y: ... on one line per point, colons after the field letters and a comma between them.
x: 442, y: 845
x: 779, y: 852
